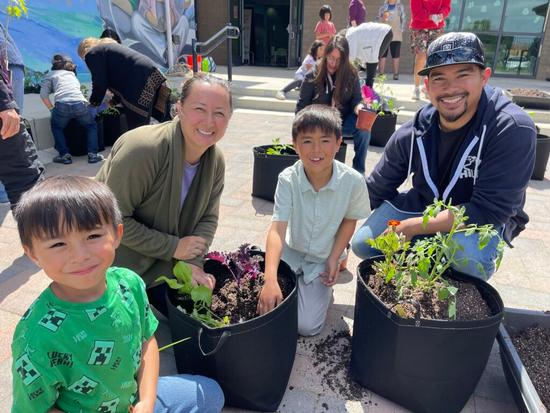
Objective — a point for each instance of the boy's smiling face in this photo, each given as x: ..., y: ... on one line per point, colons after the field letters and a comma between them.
x: 76, y: 261
x: 317, y: 151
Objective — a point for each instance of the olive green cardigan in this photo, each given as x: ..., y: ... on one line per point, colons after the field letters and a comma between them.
x: 145, y: 172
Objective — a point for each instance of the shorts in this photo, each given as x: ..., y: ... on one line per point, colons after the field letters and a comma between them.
x: 394, y: 49
x: 421, y: 39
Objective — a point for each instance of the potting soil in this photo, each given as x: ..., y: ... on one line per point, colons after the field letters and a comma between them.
x: 533, y: 347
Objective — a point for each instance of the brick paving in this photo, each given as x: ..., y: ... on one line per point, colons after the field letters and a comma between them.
x: 523, y: 280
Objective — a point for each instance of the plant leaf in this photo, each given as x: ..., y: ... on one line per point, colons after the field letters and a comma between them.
x: 202, y: 294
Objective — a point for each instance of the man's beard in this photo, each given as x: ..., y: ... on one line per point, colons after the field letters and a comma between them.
x: 452, y: 117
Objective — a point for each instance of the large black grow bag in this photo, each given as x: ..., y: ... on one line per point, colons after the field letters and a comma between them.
x: 77, y: 140
x: 424, y: 365
x: 268, y: 167
x: 542, y: 152
x: 251, y: 361
x: 110, y: 127
x: 382, y: 129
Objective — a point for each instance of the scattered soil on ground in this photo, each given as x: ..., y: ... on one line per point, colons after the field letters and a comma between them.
x: 239, y: 302
x: 521, y: 91
x: 470, y: 304
x: 331, y: 359
x: 533, y: 347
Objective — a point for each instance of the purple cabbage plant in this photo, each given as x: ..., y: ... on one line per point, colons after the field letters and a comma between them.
x: 241, y: 263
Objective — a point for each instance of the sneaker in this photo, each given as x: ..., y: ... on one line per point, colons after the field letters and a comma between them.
x: 280, y: 95
x: 94, y: 158
x: 396, y: 76
x: 65, y: 159
x: 416, y: 94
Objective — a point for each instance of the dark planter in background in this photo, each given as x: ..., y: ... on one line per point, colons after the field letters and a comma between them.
x: 524, y: 392
x: 268, y: 167
x: 111, y: 126
x: 427, y: 366
x: 76, y: 140
x: 251, y: 361
x: 383, y: 129
x: 542, y: 152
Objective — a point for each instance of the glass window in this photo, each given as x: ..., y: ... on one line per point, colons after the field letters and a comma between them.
x: 482, y: 15
x: 453, y: 20
x: 525, y: 16
x: 517, y: 55
x: 490, y: 47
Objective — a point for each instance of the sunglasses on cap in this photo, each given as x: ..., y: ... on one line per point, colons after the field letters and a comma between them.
x: 457, y: 55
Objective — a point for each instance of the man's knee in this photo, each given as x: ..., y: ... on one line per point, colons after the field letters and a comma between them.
x: 471, y: 260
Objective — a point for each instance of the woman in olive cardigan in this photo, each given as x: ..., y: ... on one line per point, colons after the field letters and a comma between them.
x: 168, y: 179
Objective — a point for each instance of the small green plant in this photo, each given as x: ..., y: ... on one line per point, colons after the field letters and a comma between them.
x: 199, y: 294
x: 422, y: 265
x: 278, y: 148
x: 109, y: 111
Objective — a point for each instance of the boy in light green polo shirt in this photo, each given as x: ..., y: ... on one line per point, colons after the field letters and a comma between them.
x: 318, y: 201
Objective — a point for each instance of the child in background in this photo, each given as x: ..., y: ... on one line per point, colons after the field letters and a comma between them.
x: 324, y: 29
x: 318, y: 201
x: 316, y: 51
x: 87, y: 342
x: 70, y: 104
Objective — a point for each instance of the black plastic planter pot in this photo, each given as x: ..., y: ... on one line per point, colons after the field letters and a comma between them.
x: 110, y: 127
x: 542, y: 152
x: 251, y: 361
x: 424, y: 365
x: 383, y: 129
x: 76, y: 138
x: 268, y: 167
x: 524, y: 392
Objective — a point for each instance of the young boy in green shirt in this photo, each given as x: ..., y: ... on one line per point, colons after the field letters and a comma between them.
x: 318, y: 201
x: 87, y: 342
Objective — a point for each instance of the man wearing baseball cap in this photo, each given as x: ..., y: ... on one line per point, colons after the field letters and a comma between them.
x: 471, y: 146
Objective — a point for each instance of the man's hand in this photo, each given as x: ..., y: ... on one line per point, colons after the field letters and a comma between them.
x: 201, y: 277
x: 270, y: 297
x: 10, y: 123
x: 190, y: 247
x: 330, y: 276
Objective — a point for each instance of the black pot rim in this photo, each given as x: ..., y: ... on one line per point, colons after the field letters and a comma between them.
x: 426, y: 323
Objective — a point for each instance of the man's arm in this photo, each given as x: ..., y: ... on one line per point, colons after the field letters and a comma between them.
x: 412, y: 227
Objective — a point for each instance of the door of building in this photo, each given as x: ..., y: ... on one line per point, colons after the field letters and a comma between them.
x: 294, y: 30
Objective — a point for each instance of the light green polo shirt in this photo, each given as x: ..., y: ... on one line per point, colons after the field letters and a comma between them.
x: 314, y: 217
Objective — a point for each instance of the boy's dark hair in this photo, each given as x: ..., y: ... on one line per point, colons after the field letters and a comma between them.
x: 325, y: 8
x: 65, y: 203
x: 322, y: 117
x: 315, y: 47
x: 61, y: 62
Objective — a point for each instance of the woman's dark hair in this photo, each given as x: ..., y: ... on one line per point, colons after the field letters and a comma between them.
x: 314, y: 47
x: 205, y: 78
x: 313, y: 117
x: 325, y: 8
x: 346, y: 74
x: 61, y: 204
x: 111, y: 34
x: 61, y: 62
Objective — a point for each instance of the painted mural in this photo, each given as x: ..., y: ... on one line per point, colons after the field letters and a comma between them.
x: 57, y: 26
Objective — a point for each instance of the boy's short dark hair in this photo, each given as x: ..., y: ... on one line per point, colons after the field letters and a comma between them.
x: 322, y: 117
x: 64, y: 203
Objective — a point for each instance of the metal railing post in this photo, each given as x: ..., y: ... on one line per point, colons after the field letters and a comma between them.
x: 195, y: 65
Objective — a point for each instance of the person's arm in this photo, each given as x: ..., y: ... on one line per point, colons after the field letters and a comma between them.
x: 48, y: 103
x: 356, y: 98
x: 412, y: 227
x: 148, y: 375
x: 271, y: 295
x: 307, y: 91
x: 418, y: 12
x: 380, y: 14
x: 330, y: 276
x: 45, y: 91
x: 96, y: 60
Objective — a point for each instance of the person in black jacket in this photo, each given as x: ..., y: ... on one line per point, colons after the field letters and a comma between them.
x: 471, y: 146
x: 20, y: 168
x: 335, y: 83
x: 131, y: 76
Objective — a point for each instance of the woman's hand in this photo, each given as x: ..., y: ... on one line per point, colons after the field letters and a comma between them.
x: 270, y: 297
x: 190, y: 247
x: 201, y: 277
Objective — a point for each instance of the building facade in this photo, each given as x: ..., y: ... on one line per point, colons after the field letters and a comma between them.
x: 279, y: 32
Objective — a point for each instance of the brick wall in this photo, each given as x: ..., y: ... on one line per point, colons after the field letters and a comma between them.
x: 211, y: 17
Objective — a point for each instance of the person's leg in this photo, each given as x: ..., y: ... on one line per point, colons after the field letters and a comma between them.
x: 419, y: 63
x: 3, y: 194
x: 313, y: 302
x: 473, y: 261
x: 361, y: 141
x: 382, y: 63
x: 371, y: 73
x: 60, y: 118
x: 385, y: 44
x: 395, y: 49
x: 185, y: 393
x: 85, y: 118
x: 20, y: 168
x: 134, y: 120
x: 375, y: 224
x: 292, y: 85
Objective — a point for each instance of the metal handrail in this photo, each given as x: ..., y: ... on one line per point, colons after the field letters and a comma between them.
x: 226, y: 33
